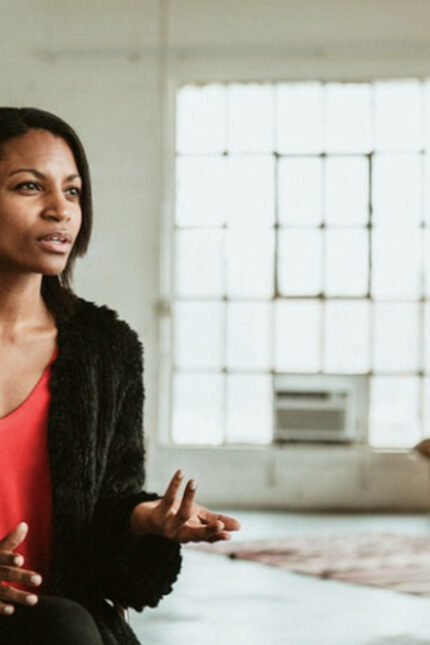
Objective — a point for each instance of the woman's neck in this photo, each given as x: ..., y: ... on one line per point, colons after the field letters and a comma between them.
x: 21, y: 304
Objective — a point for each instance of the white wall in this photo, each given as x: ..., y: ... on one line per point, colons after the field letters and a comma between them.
x: 96, y: 64
x: 110, y: 68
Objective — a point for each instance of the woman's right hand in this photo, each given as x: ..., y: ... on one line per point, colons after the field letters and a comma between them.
x: 10, y: 571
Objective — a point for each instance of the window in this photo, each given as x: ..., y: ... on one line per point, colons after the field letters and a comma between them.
x: 301, y: 245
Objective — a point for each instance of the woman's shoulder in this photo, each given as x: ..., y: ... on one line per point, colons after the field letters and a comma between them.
x: 105, y: 323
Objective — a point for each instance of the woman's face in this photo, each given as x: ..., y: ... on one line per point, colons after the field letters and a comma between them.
x: 39, y: 196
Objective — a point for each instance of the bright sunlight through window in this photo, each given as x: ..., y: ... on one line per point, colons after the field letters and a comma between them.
x: 302, y: 244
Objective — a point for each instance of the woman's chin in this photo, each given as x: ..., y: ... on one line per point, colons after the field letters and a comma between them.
x: 53, y: 272
x: 51, y: 268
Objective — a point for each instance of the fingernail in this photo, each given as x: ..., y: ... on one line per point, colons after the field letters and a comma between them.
x: 19, y: 560
x: 36, y: 580
x: 23, y: 526
x: 31, y: 600
x: 8, y: 610
x: 180, y: 473
x: 193, y: 484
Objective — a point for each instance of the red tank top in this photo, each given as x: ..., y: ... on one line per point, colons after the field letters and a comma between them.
x: 25, y: 482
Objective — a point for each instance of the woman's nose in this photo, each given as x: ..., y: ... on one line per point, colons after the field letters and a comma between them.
x: 57, y: 206
x: 57, y: 215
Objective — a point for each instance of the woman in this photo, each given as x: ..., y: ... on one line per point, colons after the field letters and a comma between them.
x: 78, y: 535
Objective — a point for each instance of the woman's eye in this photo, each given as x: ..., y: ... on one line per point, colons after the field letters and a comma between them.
x: 75, y: 191
x: 28, y: 185
x: 31, y: 186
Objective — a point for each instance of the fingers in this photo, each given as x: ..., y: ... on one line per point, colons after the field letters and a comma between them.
x: 10, y: 572
x: 9, y: 594
x: 185, y: 509
x: 230, y: 523
x: 11, y: 559
x: 22, y: 576
x: 172, y: 490
x: 169, y: 497
x: 176, y: 516
x: 7, y: 610
x: 208, y: 533
x: 213, y: 527
x: 8, y: 559
x: 14, y: 538
x: 219, y: 536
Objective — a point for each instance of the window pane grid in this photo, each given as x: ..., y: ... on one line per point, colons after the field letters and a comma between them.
x: 312, y: 229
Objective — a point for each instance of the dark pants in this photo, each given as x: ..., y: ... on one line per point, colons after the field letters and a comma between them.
x: 52, y: 621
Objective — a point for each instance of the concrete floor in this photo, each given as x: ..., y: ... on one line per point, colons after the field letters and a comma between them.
x: 217, y: 600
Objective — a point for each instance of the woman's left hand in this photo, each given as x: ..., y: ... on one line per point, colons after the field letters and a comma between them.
x: 183, y: 520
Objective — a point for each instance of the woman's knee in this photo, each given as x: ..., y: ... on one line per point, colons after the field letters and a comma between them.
x: 67, y: 622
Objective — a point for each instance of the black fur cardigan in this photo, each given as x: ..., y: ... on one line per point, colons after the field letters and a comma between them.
x: 96, y: 453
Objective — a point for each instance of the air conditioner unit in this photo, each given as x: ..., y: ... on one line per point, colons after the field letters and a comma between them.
x: 321, y: 407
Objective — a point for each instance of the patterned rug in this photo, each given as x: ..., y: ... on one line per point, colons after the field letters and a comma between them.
x: 389, y: 561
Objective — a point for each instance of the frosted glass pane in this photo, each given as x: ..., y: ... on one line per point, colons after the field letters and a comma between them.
x: 251, y: 186
x: 199, y: 263
x: 249, y: 335
x: 250, y: 260
x: 348, y: 125
x: 347, y: 191
x: 299, y: 117
x: 397, y: 190
x: 426, y: 244
x: 425, y: 393
x: 300, y: 191
x: 347, y: 329
x: 198, y: 402
x: 396, y: 258
x: 426, y: 88
x: 398, y: 115
x: 250, y: 124
x: 396, y: 337
x: 201, y: 118
x: 249, y: 408
x: 426, y: 336
x: 394, y: 420
x: 198, y: 334
x: 201, y: 191
x: 297, y: 335
x: 347, y: 262
x: 426, y: 179
x: 300, y: 262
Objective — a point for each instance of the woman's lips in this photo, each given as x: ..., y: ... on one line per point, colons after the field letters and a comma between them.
x: 54, y: 247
